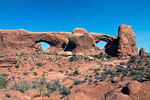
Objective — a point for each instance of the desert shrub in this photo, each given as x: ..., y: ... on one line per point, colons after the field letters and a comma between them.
x: 73, y: 58
x: 51, y: 70
x: 64, y: 91
x: 147, y: 76
x: 99, y: 63
x: 39, y: 64
x: 21, y: 86
x: 134, y: 73
x: 31, y: 69
x: 108, y: 56
x: 108, y: 72
x: 35, y: 73
x: 61, y: 71
x: 122, y: 63
x: 103, y: 77
x: 90, y: 81
x: 50, y: 59
x: 3, y: 81
x: 4, y: 75
x: 98, y: 56
x: 140, y: 62
x: 125, y: 72
x: 2, y: 56
x: 95, y: 82
x: 96, y: 71
x: 147, y: 63
x: 53, y: 86
x: 119, y: 69
x: 86, y: 58
x: 25, y: 73
x: 59, y: 66
x: 119, y: 57
x: 17, y: 66
x: 139, y: 68
x: 104, y: 74
x: 76, y: 72
x: 7, y: 95
x: 101, y: 54
x: 138, y: 77
x: 41, y: 85
x: 77, y: 82
x: 132, y: 59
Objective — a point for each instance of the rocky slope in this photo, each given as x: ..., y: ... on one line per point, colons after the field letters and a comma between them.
x: 73, y: 68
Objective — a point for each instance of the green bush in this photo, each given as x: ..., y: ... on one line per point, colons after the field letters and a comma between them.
x: 25, y: 73
x: 134, y: 73
x: 35, y: 73
x: 21, y: 86
x: 17, y: 66
x: 61, y: 71
x: 41, y: 85
x: 76, y: 72
x: 140, y: 62
x: 4, y: 75
x: 73, y: 58
x: 31, y: 69
x: 39, y: 64
x: 51, y: 70
x: 2, y: 56
x: 64, y: 91
x: 108, y: 56
x: 77, y: 82
x: 122, y: 63
x: 132, y: 59
x: 3, y: 81
x: 148, y: 76
x: 99, y: 55
x: 7, y: 95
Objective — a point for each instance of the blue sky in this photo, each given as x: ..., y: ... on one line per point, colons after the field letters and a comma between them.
x: 103, y: 16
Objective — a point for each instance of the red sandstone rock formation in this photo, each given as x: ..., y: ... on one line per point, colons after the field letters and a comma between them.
x: 80, y: 41
x: 127, y: 42
x: 7, y: 62
x: 142, y: 52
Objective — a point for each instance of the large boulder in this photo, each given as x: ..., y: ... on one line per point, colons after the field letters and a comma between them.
x: 134, y: 87
x: 79, y: 43
x: 79, y: 31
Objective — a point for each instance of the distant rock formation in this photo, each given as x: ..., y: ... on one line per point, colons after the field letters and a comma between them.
x: 142, y: 52
x: 79, y: 41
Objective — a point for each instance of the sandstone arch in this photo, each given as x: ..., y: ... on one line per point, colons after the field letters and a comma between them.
x: 79, y: 41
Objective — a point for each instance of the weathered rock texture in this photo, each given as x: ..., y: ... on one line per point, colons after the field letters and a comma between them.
x: 127, y: 41
x: 79, y: 41
x: 104, y: 91
x: 7, y: 62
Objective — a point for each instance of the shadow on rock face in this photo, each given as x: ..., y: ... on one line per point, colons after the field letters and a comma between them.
x: 125, y: 90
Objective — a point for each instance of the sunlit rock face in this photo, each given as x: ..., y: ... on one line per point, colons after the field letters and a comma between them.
x: 127, y: 41
x: 79, y: 41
